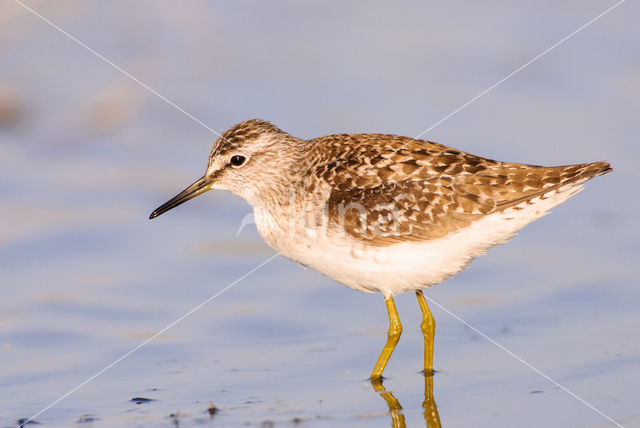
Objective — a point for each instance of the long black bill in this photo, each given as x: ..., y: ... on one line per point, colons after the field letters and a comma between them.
x: 197, y: 188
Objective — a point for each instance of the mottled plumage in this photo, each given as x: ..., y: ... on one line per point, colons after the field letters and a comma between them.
x: 386, y: 189
x: 381, y: 212
x: 418, y: 190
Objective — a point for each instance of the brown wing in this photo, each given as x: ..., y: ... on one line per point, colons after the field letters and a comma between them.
x: 424, y: 190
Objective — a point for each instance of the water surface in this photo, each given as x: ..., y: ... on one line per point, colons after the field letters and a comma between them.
x: 86, y: 154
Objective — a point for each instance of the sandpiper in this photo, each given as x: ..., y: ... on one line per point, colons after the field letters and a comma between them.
x: 381, y: 213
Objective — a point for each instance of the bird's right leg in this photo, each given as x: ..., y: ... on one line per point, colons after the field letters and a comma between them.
x: 428, y: 327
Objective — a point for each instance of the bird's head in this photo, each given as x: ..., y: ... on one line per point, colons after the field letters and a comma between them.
x: 249, y: 159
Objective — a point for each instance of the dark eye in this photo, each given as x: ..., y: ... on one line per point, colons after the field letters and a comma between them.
x: 237, y: 160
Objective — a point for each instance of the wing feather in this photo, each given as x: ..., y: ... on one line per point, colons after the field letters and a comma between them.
x: 387, y: 189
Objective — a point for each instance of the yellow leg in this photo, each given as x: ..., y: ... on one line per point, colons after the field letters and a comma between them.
x: 428, y: 327
x: 395, y: 330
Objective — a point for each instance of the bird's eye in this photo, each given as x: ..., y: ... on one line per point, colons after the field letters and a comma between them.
x: 237, y: 160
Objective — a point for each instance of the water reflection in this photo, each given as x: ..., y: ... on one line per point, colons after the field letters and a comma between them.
x: 431, y: 416
x: 395, y: 409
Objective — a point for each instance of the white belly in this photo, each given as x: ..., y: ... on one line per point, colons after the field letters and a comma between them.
x: 407, y: 266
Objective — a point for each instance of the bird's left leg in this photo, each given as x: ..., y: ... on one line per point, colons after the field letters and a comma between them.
x: 395, y: 330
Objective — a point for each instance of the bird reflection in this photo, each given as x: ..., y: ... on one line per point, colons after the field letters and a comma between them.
x: 431, y: 416
x: 395, y: 409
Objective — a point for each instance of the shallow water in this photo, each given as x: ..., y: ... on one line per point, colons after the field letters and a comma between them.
x: 86, y: 154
